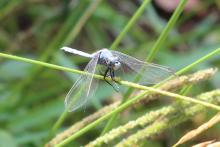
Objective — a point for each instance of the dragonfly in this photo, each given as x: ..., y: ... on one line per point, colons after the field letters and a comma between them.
x: 110, y: 61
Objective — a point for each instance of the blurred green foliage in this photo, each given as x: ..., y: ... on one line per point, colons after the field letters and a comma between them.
x: 31, y: 97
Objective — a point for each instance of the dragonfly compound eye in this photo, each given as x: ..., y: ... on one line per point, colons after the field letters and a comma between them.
x: 117, y: 65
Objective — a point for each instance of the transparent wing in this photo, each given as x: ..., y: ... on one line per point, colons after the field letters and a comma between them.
x: 149, y: 73
x: 83, y: 88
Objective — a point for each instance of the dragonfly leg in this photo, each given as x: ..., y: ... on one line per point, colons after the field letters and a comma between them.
x: 105, y: 75
x: 115, y: 86
x: 112, y: 73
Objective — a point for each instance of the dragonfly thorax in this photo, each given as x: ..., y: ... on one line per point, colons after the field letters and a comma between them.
x: 106, y: 58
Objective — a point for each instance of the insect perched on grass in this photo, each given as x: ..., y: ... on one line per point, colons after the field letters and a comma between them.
x: 111, y: 61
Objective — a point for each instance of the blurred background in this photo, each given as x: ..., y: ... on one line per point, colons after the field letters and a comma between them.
x: 31, y: 96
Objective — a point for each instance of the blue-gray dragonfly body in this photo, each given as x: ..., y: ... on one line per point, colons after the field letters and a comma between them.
x: 113, y: 61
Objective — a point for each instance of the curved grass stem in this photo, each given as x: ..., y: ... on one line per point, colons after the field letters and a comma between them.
x: 152, y: 54
x: 126, y: 83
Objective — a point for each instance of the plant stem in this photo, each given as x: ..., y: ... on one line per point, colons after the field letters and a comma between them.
x: 114, y: 45
x: 53, y: 66
x: 154, y: 50
x: 57, y: 67
x: 126, y: 83
x: 58, y: 123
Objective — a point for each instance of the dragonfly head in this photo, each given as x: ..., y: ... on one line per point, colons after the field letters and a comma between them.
x: 115, y: 64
